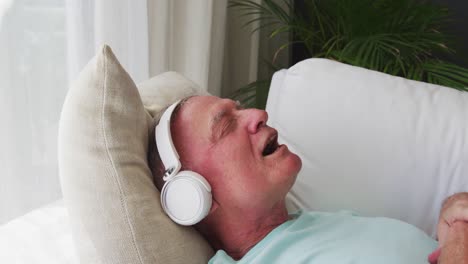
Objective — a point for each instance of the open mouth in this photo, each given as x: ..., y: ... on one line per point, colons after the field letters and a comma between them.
x: 271, y: 145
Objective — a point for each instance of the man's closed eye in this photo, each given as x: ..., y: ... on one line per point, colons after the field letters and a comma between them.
x: 227, y: 126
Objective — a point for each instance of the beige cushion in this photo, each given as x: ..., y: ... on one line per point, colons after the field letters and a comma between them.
x: 107, y: 185
x: 158, y: 92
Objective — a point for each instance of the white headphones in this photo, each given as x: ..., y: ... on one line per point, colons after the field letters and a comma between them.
x: 186, y: 195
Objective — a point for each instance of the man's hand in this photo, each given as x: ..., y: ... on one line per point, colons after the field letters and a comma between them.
x: 454, y: 209
x: 455, y: 249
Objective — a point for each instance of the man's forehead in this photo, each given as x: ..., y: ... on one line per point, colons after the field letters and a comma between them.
x: 193, y: 104
x: 203, y: 113
x: 191, y: 123
x: 200, y: 99
x: 194, y: 109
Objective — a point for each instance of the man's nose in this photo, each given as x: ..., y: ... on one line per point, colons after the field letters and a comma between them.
x: 256, y: 119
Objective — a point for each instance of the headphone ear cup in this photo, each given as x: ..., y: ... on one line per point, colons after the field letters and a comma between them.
x: 186, y: 198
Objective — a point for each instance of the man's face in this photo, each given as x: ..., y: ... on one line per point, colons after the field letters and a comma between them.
x: 235, y: 151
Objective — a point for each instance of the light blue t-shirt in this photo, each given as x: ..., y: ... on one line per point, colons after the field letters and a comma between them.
x: 343, y: 237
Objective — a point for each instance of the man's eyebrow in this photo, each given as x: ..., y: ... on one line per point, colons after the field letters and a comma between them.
x: 215, y: 124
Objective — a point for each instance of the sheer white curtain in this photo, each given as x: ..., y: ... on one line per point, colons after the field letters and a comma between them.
x: 152, y: 36
x: 33, y: 85
x: 45, y: 43
x: 188, y: 36
x: 122, y: 24
x: 202, y: 39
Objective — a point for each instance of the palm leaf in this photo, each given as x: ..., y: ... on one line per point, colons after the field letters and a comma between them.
x: 253, y: 94
x: 398, y: 37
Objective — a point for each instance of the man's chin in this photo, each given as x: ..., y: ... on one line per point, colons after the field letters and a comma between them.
x: 294, y: 165
x: 293, y: 156
x: 288, y: 163
x: 296, y: 162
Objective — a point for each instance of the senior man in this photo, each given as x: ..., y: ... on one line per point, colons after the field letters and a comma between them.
x: 250, y: 175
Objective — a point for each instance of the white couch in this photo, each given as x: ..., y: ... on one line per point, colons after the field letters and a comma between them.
x: 370, y: 142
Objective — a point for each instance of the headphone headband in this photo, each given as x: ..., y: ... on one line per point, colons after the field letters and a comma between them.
x: 166, y: 148
x: 186, y: 195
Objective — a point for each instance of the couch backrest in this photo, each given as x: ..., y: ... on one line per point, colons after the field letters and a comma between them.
x: 371, y: 142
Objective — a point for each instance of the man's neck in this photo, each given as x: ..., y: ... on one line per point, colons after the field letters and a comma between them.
x: 237, y: 234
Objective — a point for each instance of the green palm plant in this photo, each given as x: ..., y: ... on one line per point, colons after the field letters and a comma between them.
x: 399, y: 37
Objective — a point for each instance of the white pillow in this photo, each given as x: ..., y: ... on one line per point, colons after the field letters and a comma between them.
x: 371, y: 142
